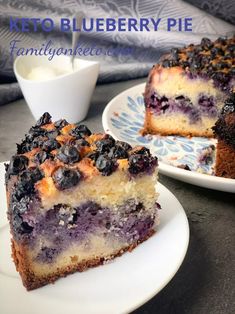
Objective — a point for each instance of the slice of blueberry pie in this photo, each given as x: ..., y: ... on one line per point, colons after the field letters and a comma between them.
x: 76, y: 200
x: 185, y: 92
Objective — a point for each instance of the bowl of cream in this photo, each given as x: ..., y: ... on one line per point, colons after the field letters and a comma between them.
x: 56, y: 86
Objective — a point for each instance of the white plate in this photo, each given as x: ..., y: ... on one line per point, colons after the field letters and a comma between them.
x: 118, y: 287
x: 123, y: 118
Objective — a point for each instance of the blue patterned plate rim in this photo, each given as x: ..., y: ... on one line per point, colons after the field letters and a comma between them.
x: 123, y: 118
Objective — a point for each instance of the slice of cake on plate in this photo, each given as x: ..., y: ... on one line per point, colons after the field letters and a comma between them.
x: 225, y: 132
x: 185, y: 92
x: 76, y: 200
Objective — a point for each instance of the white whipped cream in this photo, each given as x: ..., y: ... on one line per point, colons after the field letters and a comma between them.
x: 43, y: 73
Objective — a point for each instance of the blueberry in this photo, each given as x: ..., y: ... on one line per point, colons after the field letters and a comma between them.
x: 20, y: 226
x: 35, y: 131
x: 80, y: 131
x: 190, y: 53
x: 196, y: 63
x: 45, y: 119
x: 118, y: 152
x: 166, y: 63
x: 185, y: 64
x: 23, y: 147
x: 169, y: 63
x: 222, y: 40
x: 60, y: 123
x: 174, y: 54
x: 206, y: 43
x: 65, y: 178
x: 221, y: 66
x: 22, y: 205
x: 105, y: 165
x: 180, y: 97
x: 205, y: 60
x: 221, y: 77
x: 231, y: 48
x: 17, y: 164
x: 38, y: 142
x: 232, y: 71
x: 140, y: 163
x: 26, y: 182
x: 50, y: 145
x: 52, y: 134
x: 105, y: 144
x: 124, y: 145
x: 41, y: 156
x: 142, y: 151
x: 215, y: 51
x: 93, y: 155
x: 26, y: 228
x: 68, y: 154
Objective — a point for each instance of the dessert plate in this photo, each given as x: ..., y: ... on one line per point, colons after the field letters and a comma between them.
x: 117, y: 287
x: 123, y: 118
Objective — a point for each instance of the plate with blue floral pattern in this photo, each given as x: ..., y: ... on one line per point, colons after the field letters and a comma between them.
x: 187, y: 159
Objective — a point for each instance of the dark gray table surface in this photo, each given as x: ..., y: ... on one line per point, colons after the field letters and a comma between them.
x: 205, y: 283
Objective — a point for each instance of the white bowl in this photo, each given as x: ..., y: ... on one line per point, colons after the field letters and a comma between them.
x: 67, y: 95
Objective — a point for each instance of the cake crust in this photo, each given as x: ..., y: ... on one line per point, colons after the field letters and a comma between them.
x: 31, y: 282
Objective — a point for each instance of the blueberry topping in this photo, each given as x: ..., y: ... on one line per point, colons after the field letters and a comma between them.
x: 222, y: 40
x: 124, y: 145
x: 25, y: 185
x: 139, y: 163
x: 118, y: 152
x: 221, y: 77
x: 93, y: 155
x: 174, y: 54
x: 52, y: 134
x: 169, y: 63
x: 50, y: 145
x: 41, y: 156
x: 45, y: 119
x: 80, y: 131
x: 68, y: 154
x: 105, y: 165
x: 37, y: 142
x: 65, y: 178
x: 216, y: 51
x: 60, y: 123
x: 17, y: 164
x: 105, y: 144
x: 206, y: 43
x: 166, y: 63
x: 142, y: 151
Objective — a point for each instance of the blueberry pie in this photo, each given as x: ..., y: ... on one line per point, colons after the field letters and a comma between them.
x: 76, y: 200
x: 185, y: 92
x: 224, y: 130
